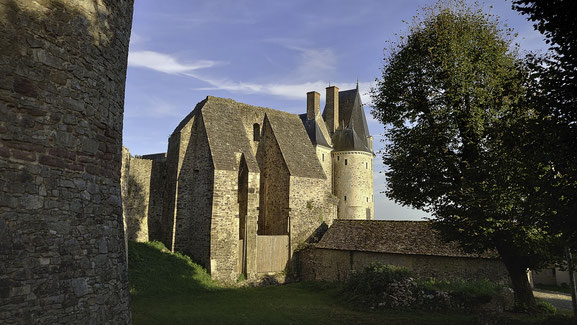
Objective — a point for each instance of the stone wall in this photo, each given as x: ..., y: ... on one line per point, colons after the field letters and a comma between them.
x: 177, y: 147
x: 335, y: 265
x: 313, y: 209
x: 353, y: 184
x: 325, y: 158
x: 194, y: 195
x: 274, y: 186
x: 143, y: 182
x: 62, y: 75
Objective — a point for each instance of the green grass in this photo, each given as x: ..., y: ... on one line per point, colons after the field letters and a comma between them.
x: 170, y: 289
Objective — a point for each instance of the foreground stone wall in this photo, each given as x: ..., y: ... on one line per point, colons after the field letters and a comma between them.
x: 62, y: 74
x: 336, y: 265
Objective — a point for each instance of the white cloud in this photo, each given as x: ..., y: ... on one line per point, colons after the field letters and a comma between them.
x: 290, y: 90
x: 285, y: 90
x: 165, y: 63
x: 152, y: 107
x: 312, y: 61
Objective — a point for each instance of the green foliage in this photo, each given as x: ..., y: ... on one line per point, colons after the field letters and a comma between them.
x: 545, y: 307
x: 472, y: 288
x: 374, y: 279
x: 452, y: 97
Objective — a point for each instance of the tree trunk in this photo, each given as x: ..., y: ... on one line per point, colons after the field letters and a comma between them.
x: 571, y: 271
x: 524, y: 299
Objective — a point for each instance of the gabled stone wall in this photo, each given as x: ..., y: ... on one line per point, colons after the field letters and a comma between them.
x: 195, y: 190
x: 62, y: 74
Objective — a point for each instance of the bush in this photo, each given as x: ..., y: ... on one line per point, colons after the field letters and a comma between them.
x: 375, y: 278
x: 471, y: 288
x: 545, y: 307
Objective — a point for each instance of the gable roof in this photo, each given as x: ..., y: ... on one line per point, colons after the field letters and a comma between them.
x: 295, y: 146
x: 227, y: 135
x: 395, y: 237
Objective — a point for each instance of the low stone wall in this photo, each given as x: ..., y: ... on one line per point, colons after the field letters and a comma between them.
x: 143, y: 181
x: 317, y: 264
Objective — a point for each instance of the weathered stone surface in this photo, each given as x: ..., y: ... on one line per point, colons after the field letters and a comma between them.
x: 63, y: 68
x: 319, y: 264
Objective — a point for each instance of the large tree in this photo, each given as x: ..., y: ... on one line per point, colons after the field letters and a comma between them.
x: 553, y: 92
x: 452, y: 95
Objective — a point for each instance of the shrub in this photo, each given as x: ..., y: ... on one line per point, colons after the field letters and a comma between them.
x: 544, y: 307
x: 374, y: 279
x: 471, y: 288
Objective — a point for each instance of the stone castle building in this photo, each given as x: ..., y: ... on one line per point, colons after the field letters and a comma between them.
x: 245, y: 186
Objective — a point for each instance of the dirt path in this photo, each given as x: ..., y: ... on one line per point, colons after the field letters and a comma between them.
x: 558, y: 299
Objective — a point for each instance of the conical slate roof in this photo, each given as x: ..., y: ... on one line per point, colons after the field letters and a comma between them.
x: 353, y: 132
x: 346, y: 139
x: 351, y: 112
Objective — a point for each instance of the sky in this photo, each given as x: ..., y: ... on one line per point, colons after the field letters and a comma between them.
x: 267, y: 53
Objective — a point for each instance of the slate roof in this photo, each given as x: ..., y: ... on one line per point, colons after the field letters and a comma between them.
x: 227, y: 135
x: 394, y: 237
x: 314, y: 131
x: 347, y: 139
x: 352, y: 113
x: 353, y: 131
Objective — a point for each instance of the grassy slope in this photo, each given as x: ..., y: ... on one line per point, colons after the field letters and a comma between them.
x: 170, y: 289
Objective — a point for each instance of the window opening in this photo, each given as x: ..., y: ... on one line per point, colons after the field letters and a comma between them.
x: 256, y: 132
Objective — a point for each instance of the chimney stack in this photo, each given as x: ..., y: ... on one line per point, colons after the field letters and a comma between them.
x: 332, y: 108
x: 313, y: 104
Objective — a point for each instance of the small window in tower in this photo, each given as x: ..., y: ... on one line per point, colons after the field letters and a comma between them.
x: 346, y: 162
x: 323, y: 157
x: 367, y: 199
x: 366, y: 165
x: 256, y: 132
x: 338, y: 158
x: 345, y: 197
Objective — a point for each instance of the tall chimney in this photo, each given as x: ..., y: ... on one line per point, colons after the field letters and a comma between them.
x: 313, y: 104
x: 332, y: 108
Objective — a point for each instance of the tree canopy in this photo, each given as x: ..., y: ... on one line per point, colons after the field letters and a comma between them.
x: 453, y: 98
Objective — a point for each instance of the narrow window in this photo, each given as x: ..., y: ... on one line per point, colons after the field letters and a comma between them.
x: 366, y: 165
x: 345, y: 197
x: 367, y: 199
x: 346, y: 162
x: 256, y: 132
x: 323, y: 157
x: 338, y: 158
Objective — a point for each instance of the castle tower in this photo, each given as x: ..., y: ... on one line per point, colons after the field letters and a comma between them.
x: 62, y: 248
x: 352, y: 157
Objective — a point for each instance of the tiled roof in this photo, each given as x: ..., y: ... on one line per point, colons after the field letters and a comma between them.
x: 227, y: 135
x: 395, y: 237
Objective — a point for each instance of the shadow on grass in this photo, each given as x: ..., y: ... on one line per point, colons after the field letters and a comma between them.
x: 155, y: 271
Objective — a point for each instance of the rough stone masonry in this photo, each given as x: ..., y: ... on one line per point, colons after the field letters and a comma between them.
x: 62, y: 75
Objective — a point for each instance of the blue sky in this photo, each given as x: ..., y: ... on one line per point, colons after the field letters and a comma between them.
x: 266, y: 53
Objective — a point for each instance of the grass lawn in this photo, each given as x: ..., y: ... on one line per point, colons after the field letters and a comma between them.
x: 170, y: 289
